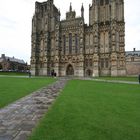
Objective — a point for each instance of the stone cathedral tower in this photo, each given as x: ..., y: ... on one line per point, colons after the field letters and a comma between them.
x: 71, y: 47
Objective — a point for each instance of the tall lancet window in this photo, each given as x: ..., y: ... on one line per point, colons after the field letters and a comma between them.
x: 101, y: 2
x: 76, y: 43
x: 70, y: 43
x: 64, y: 44
x: 106, y: 1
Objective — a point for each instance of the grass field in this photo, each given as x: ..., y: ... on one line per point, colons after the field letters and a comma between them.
x: 12, y: 88
x: 13, y: 73
x: 132, y: 79
x: 89, y: 110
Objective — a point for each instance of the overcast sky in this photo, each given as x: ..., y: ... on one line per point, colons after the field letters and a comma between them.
x: 16, y: 16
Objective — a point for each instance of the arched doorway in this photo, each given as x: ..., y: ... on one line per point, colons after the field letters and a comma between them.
x: 69, y: 70
x: 89, y: 73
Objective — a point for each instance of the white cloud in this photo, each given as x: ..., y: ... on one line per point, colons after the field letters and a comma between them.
x: 132, y: 16
x: 16, y: 16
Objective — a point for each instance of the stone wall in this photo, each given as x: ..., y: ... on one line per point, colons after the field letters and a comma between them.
x: 133, y: 68
x: 133, y: 62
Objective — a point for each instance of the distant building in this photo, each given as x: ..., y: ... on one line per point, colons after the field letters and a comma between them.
x: 12, y: 64
x: 133, y: 62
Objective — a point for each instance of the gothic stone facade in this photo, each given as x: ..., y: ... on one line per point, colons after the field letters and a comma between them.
x: 71, y: 47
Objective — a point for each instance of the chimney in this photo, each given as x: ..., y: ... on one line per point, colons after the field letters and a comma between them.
x: 3, y: 55
x: 134, y: 49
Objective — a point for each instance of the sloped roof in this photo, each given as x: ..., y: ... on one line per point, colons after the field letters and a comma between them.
x: 12, y: 59
x: 132, y: 53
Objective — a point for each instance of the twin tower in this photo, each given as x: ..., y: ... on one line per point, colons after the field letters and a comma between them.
x: 72, y: 48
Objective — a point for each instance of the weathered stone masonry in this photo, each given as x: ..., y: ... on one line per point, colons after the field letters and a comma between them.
x: 71, y: 47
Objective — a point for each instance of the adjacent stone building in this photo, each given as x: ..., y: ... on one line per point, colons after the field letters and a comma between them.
x: 12, y: 64
x: 71, y: 47
x: 133, y: 62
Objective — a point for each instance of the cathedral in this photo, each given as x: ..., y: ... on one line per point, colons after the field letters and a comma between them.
x: 70, y: 47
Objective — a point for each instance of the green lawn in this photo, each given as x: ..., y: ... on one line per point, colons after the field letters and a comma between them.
x: 12, y: 88
x: 132, y: 79
x: 13, y: 73
x: 89, y: 110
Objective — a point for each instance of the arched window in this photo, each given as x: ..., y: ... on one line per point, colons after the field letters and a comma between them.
x: 101, y: 2
x: 106, y: 1
x: 106, y: 63
x: 90, y: 62
x: 91, y: 39
x: 132, y: 59
x: 70, y: 43
x: 76, y: 43
x: 87, y: 40
x: 86, y: 62
x: 102, y: 63
x: 64, y: 43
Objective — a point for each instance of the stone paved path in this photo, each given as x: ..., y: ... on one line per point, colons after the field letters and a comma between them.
x: 18, y: 119
x: 109, y: 81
